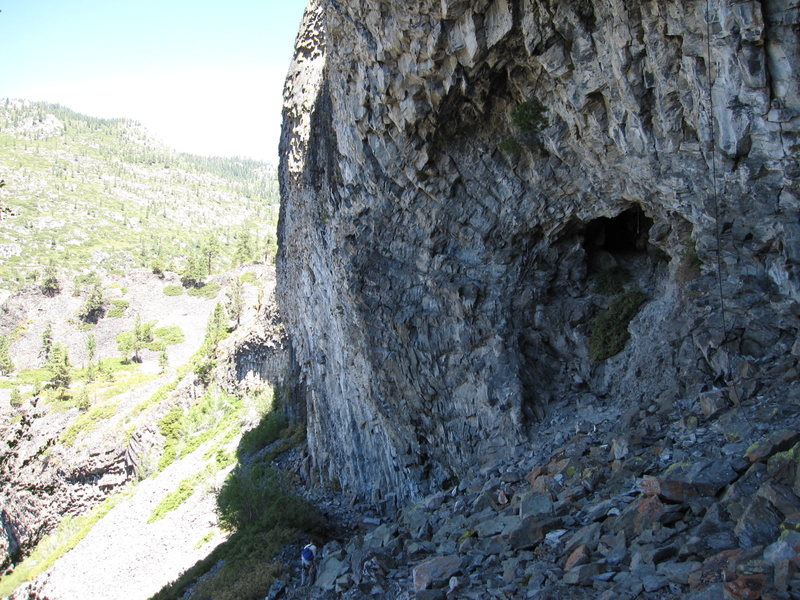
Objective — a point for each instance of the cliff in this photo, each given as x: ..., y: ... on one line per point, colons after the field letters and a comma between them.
x: 484, y: 201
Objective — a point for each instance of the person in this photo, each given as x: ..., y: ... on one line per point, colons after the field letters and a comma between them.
x: 308, y: 556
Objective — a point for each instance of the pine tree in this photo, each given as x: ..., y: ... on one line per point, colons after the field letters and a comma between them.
x: 210, y: 250
x: 94, y: 306
x: 194, y: 270
x: 236, y: 300
x: 50, y: 285
x: 16, y: 398
x: 163, y: 360
x: 91, y: 351
x: 59, y: 367
x: 244, y: 247
x: 6, y: 366
x: 91, y: 347
x: 142, y: 335
x: 84, y: 403
x: 217, y: 327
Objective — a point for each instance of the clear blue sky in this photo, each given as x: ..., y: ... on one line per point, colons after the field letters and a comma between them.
x: 205, y: 77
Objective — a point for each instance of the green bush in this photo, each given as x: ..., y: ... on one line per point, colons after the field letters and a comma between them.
x: 510, y: 146
x: 118, y: 308
x: 16, y: 398
x: 611, y: 281
x: 169, y: 335
x: 530, y: 117
x: 257, y: 494
x: 203, y: 370
x: 248, y: 277
x: 173, y: 290
x: 209, y: 291
x: 609, y: 330
x: 263, y: 434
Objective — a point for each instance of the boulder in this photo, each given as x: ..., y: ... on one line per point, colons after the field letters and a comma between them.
x: 436, y: 572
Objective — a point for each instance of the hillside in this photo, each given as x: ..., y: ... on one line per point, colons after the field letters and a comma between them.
x: 131, y: 276
x: 85, y: 193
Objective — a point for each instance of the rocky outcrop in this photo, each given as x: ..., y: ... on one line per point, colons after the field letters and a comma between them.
x: 448, y: 257
x: 606, y: 513
x: 42, y: 481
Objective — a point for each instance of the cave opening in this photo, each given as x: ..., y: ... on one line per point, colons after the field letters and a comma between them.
x: 575, y: 279
x: 621, y: 237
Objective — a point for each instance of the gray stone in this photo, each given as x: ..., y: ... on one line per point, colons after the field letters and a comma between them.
x: 582, y: 575
x: 436, y: 572
x: 531, y: 531
x: 328, y: 571
x: 532, y: 504
x: 682, y: 481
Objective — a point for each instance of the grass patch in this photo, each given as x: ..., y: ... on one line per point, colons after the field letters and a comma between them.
x: 33, y: 376
x: 132, y: 381
x: 177, y: 497
x: 609, y: 330
x: 69, y: 532
x: 118, y: 308
x: 173, y: 290
x: 185, y: 430
x: 248, y: 277
x: 87, y: 422
x: 611, y: 281
x: 206, y: 538
x: 170, y: 335
x: 209, y: 291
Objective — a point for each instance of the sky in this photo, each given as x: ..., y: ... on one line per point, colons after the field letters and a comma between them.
x: 203, y: 77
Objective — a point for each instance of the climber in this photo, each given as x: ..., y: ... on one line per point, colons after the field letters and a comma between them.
x: 308, y: 557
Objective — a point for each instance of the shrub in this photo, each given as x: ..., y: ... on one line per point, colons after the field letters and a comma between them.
x: 530, y: 117
x: 173, y: 290
x: 16, y: 398
x: 50, y: 285
x: 257, y: 494
x: 203, y: 370
x: 6, y: 365
x: 609, y: 330
x: 689, y: 267
x: 169, y: 335
x: 210, y: 290
x: 83, y: 403
x: 248, y: 277
x: 510, y: 146
x: 118, y: 308
x: 611, y: 281
x: 263, y: 434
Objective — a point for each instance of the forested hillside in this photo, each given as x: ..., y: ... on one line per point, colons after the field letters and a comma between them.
x: 84, y: 193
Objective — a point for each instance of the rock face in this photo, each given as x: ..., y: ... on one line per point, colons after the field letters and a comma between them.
x: 445, y: 254
x: 41, y: 481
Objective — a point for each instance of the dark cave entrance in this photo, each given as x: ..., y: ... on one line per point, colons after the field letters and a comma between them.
x: 622, y: 237
x: 560, y: 300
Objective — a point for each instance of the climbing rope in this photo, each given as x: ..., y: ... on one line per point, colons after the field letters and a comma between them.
x: 715, y: 194
x: 714, y: 170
